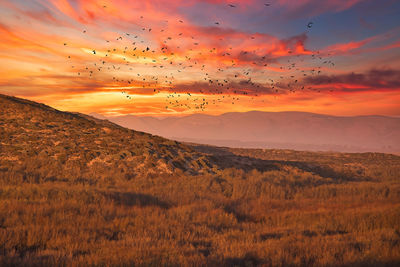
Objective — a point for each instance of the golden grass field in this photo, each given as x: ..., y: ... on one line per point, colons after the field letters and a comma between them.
x: 75, y: 191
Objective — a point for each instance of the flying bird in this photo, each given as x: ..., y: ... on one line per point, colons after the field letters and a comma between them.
x: 220, y: 86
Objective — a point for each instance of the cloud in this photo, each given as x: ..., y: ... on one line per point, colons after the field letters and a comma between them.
x: 311, y: 8
x: 241, y: 52
x: 372, y: 80
x: 224, y: 87
x: 375, y: 43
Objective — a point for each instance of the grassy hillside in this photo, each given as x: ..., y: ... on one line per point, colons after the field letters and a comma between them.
x: 79, y: 191
x: 39, y: 143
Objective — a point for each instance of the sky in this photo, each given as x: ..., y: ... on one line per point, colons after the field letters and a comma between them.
x: 179, y: 57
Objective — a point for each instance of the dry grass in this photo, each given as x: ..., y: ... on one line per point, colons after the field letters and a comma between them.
x: 79, y: 192
x: 234, y: 219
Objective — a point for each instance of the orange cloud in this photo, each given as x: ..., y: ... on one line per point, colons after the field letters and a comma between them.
x: 61, y: 51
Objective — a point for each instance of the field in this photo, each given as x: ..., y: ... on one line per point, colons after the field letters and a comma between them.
x: 163, y: 203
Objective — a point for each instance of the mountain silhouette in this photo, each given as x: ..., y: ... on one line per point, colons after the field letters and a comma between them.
x: 277, y: 130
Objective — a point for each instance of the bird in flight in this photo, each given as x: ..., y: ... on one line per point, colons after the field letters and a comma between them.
x: 140, y: 49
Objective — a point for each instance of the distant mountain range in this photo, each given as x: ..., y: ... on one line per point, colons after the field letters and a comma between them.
x: 283, y: 130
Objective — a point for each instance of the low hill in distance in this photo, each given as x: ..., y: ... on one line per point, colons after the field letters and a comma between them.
x: 81, y: 191
x: 278, y: 130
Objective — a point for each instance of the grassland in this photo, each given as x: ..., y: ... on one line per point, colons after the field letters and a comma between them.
x: 77, y: 191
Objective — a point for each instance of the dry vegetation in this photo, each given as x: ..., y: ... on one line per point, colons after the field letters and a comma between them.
x: 79, y: 191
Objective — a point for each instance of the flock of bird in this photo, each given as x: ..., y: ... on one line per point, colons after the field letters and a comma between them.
x: 170, y: 62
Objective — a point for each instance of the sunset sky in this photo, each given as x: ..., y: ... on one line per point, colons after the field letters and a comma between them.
x: 339, y: 57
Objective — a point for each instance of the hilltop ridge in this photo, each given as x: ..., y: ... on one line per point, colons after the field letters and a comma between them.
x: 35, y: 134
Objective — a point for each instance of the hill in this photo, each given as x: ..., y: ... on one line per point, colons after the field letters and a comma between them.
x: 279, y: 130
x: 52, y: 142
x: 80, y: 191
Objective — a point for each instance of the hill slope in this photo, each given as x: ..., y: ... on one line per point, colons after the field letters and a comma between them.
x: 78, y: 191
x: 51, y: 143
x: 283, y: 130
